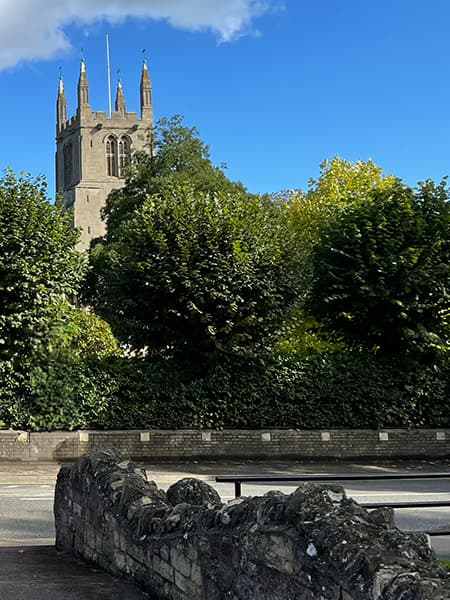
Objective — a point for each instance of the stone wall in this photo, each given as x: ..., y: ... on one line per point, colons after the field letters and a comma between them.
x: 230, y: 443
x: 314, y: 544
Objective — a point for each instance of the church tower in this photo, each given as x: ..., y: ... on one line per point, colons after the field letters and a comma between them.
x: 93, y: 149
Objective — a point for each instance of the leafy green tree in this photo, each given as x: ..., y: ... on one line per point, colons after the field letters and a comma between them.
x: 70, y: 381
x: 382, y: 271
x: 177, y: 155
x: 193, y: 275
x: 38, y: 264
x: 340, y: 185
x: 78, y: 332
x: 48, y: 347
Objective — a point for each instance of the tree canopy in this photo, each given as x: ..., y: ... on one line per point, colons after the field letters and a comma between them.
x: 175, y: 155
x: 340, y: 184
x: 193, y: 274
x: 44, y: 339
x: 382, y: 270
x: 38, y: 261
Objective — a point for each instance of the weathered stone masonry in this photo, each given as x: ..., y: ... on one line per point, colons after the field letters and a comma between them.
x: 185, y: 545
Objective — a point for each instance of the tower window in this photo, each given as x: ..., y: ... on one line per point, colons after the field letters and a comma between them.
x: 112, y: 167
x: 124, y: 153
x: 67, y: 154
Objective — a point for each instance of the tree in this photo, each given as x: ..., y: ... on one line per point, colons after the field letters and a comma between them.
x: 177, y: 155
x: 38, y: 265
x: 341, y: 184
x: 193, y: 275
x: 69, y: 384
x: 382, y: 271
x: 38, y: 262
x: 191, y: 264
x: 77, y: 332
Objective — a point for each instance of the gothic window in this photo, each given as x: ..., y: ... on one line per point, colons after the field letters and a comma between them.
x: 67, y: 154
x: 112, y: 166
x: 124, y: 153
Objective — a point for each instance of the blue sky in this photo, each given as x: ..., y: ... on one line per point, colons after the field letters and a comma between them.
x: 273, y: 86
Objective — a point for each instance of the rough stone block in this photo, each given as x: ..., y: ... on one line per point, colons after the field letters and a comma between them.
x: 162, y: 568
x: 181, y: 582
x: 165, y: 553
x: 179, y: 562
x: 23, y: 437
x: 196, y: 574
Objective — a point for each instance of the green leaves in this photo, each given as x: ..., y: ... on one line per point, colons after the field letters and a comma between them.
x: 199, y: 274
x: 38, y: 262
x: 382, y: 271
x: 44, y: 341
x: 192, y: 266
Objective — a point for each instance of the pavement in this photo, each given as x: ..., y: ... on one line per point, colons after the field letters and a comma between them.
x: 41, y: 572
x: 32, y: 568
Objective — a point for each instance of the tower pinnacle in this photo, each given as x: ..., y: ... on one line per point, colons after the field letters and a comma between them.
x: 120, y: 99
x: 83, y: 88
x: 61, y: 106
x: 146, y: 93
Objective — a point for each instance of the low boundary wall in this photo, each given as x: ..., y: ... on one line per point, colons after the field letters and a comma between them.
x: 182, y: 444
x: 186, y: 545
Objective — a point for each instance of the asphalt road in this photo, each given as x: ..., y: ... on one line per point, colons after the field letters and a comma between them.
x: 26, y: 494
x: 26, y: 514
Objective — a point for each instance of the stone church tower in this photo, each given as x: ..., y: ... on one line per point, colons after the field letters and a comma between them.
x: 92, y: 150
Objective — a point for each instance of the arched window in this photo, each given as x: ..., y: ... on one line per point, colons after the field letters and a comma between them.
x: 112, y: 166
x: 68, y: 164
x: 124, y: 153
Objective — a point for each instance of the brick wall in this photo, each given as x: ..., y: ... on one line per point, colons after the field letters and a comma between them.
x: 191, y: 443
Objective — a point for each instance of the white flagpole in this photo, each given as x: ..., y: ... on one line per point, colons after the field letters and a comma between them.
x: 108, y: 67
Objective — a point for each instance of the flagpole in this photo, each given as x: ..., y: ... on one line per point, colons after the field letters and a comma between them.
x: 108, y: 68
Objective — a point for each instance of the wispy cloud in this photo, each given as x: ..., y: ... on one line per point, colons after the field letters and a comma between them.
x: 35, y: 29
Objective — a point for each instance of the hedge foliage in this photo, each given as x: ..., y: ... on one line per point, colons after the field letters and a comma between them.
x: 333, y: 389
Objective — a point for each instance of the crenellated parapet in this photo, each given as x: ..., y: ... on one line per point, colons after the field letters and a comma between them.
x: 93, y: 149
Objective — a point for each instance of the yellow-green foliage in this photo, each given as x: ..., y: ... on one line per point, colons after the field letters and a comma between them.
x: 340, y: 184
x: 80, y: 332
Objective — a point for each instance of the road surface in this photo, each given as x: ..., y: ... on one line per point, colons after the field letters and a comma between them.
x: 26, y: 493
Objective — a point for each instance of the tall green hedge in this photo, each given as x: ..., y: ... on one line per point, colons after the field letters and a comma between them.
x: 336, y: 389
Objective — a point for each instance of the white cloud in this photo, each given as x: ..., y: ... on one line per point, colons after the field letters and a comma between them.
x: 34, y: 29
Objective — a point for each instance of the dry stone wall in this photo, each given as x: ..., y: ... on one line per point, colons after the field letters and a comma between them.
x: 186, y: 545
